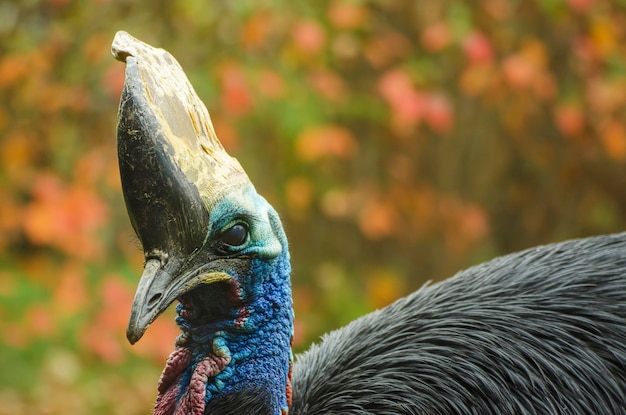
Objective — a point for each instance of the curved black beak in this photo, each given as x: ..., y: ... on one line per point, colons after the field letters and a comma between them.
x: 149, y: 300
x: 157, y: 289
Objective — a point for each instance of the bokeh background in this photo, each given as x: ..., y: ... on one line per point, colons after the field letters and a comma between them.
x: 401, y: 141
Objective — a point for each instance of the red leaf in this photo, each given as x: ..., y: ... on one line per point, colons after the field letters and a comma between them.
x: 407, y: 104
x: 438, y: 113
x: 236, y: 95
x: 477, y: 48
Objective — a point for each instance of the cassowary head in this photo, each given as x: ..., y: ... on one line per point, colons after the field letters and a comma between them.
x: 210, y: 242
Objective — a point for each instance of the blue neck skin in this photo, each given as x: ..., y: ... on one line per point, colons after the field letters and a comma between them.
x: 255, y: 336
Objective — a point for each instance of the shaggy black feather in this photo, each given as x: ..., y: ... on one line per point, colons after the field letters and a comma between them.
x: 248, y: 402
x: 542, y: 331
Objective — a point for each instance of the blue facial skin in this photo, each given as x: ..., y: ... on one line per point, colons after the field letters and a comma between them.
x: 256, y: 329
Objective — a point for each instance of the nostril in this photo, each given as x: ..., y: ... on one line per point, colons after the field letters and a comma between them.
x: 154, y: 299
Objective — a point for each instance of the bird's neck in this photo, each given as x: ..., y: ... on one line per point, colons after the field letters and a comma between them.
x: 242, y: 359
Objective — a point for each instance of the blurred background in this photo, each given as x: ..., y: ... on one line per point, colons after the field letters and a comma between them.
x: 400, y: 140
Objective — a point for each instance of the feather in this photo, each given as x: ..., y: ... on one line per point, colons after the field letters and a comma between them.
x: 537, y: 332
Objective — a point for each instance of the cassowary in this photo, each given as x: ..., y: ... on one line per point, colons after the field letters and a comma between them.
x: 538, y: 332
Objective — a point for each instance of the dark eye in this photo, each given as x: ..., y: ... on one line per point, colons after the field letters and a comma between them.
x: 235, y: 235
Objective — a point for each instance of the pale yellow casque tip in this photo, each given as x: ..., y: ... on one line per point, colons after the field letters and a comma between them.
x: 181, y: 114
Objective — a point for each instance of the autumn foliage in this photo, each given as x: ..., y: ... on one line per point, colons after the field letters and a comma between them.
x: 401, y: 141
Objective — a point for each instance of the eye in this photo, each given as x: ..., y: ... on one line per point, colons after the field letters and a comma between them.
x: 235, y: 235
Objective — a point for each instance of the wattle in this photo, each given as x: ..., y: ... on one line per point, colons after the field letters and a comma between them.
x: 177, y: 397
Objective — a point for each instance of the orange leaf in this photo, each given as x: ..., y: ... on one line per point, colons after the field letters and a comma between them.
x: 113, y: 80
x: 328, y: 84
x: 117, y: 296
x: 614, y: 140
x: 308, y: 37
x: 525, y: 67
x: 70, y: 293
x: 436, y: 37
x: 18, y: 151
x: 13, y: 68
x: 518, y: 71
x: 474, y: 224
x: 158, y: 340
x: 604, y: 36
x: 384, y: 287
x: 8, y: 284
x: 65, y: 218
x: 346, y: 15
x: 580, y: 6
x: 476, y: 79
x: 498, y: 9
x: 605, y: 96
x: 226, y: 132
x: 569, y: 119
x: 336, y: 203
x: 256, y: 30
x: 465, y: 223
x: 329, y: 140
x: 270, y: 84
x: 39, y: 321
x: 394, y: 84
x: 377, y: 219
x: 13, y: 334
x: 102, y: 344
x: 96, y: 49
x: 388, y: 45
x: 299, y: 193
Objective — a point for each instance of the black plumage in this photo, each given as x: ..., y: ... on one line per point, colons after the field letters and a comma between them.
x: 542, y: 331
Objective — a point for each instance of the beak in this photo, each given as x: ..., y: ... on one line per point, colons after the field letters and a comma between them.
x: 157, y: 289
x: 173, y: 171
x: 150, y: 299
